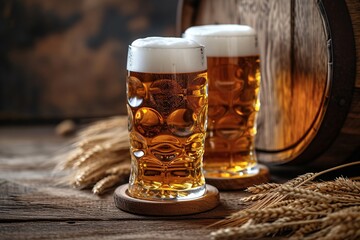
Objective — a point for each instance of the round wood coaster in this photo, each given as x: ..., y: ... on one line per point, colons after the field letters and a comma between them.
x: 166, y: 207
x: 241, y: 182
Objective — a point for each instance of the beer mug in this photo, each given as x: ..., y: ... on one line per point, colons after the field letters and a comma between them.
x: 167, y: 103
x: 234, y: 81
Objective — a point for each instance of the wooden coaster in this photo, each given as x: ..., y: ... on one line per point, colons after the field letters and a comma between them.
x: 166, y: 207
x: 241, y: 182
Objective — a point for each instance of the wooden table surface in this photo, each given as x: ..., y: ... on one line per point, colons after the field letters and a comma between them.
x: 33, y: 207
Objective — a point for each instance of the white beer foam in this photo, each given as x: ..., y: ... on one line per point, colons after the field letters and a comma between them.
x: 166, y: 55
x: 225, y: 40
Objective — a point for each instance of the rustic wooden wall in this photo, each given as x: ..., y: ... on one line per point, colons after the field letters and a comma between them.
x: 67, y: 58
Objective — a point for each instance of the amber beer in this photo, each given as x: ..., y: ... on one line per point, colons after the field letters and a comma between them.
x: 167, y: 108
x: 234, y: 81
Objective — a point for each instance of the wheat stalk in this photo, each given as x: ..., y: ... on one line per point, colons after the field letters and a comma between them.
x: 255, y: 230
x: 304, y: 193
x: 99, y: 157
x: 300, y: 207
x: 305, y: 230
x: 262, y: 188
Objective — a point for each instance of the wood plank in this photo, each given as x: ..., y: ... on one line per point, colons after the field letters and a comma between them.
x: 354, y: 9
x: 310, y: 66
x: 130, y: 229
x: 21, y: 202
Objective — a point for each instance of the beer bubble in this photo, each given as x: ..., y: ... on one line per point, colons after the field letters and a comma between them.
x: 251, y: 120
x: 194, y: 146
x: 137, y: 141
x: 198, y: 83
x: 130, y: 118
x: 239, y: 73
x: 181, y: 163
x: 243, y: 109
x: 203, y: 119
x: 139, y: 154
x: 165, y: 147
x: 181, y: 122
x: 197, y: 93
x: 148, y: 121
x: 182, y: 186
x: 242, y: 144
x: 166, y: 94
x: 225, y: 80
x: 217, y: 111
x: 215, y: 144
x: 246, y: 97
x: 196, y: 102
x: 151, y: 167
x: 135, y: 91
x: 235, y: 126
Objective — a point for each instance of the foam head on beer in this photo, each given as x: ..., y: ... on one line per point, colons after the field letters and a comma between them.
x: 166, y: 55
x: 225, y: 40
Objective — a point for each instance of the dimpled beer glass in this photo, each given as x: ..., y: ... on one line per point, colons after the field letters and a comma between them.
x: 167, y: 108
x: 234, y: 81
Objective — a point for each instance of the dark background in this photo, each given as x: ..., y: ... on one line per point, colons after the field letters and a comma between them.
x: 67, y: 59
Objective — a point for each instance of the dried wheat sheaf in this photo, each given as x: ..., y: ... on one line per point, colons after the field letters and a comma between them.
x: 298, y: 209
x: 99, y: 158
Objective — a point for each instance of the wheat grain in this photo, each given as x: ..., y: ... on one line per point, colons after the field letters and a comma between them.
x: 301, y: 203
x: 106, y: 183
x: 255, y: 230
x: 304, y: 230
x: 343, y: 231
x: 344, y: 215
x: 312, y: 206
x: 71, y: 159
x: 318, y: 234
x: 93, y: 172
x: 299, y: 180
x: 283, y: 203
x: 90, y: 156
x: 87, y: 178
x: 253, y: 197
x: 337, y: 186
x: 283, y: 220
x: 304, y: 193
x: 268, y: 213
x: 119, y: 169
x: 347, y: 185
x: 262, y: 188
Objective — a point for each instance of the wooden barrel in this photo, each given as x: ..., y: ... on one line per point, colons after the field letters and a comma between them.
x: 310, y: 89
